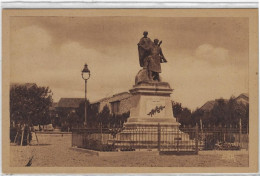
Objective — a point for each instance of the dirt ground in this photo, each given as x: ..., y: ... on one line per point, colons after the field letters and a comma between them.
x: 54, y: 150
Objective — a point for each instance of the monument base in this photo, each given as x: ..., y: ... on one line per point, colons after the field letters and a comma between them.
x: 151, y: 123
x: 151, y: 136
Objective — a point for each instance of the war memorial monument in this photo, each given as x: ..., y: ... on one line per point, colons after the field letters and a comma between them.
x: 151, y: 111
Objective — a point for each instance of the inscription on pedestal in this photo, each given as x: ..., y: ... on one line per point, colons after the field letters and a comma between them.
x: 155, y: 108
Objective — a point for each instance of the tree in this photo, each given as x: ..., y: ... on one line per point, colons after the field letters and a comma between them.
x: 224, y: 113
x: 177, y: 110
x: 245, y: 119
x: 30, y: 104
x: 119, y: 119
x: 182, y: 114
x: 72, y: 119
x: 80, y: 111
x: 125, y: 116
x: 197, y: 116
x: 229, y: 113
x: 219, y: 112
x: 104, y: 116
x: 92, y: 114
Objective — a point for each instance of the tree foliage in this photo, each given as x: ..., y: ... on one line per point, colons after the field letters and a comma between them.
x: 108, y: 120
x: 30, y: 104
x: 104, y: 116
x: 96, y: 118
x: 183, y: 115
x: 224, y: 113
x: 229, y: 113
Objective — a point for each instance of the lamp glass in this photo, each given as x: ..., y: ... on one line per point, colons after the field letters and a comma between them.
x: 85, y: 75
x: 85, y: 72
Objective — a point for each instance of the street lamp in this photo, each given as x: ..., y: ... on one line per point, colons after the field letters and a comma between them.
x: 85, y: 73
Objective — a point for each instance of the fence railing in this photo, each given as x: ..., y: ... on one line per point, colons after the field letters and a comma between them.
x: 224, y: 138
x: 161, y: 138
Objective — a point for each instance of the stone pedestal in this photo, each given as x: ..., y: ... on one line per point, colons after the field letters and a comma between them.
x: 151, y: 122
x: 152, y: 105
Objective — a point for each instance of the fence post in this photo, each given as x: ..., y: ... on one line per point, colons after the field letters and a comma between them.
x: 196, y: 139
x: 101, y: 133
x: 240, y: 131
x: 178, y: 137
x: 22, y: 135
x: 72, y: 138
x: 159, y: 137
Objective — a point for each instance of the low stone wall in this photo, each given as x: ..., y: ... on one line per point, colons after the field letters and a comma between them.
x: 49, y: 138
x: 94, y: 141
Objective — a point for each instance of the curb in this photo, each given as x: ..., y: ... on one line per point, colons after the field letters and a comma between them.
x: 120, y: 153
x: 223, y: 152
x: 49, y: 132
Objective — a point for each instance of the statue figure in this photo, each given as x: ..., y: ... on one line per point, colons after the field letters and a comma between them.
x: 144, y: 47
x: 155, y: 59
x: 150, y: 57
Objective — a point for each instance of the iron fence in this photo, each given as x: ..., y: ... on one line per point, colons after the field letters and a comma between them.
x: 162, y: 138
x: 224, y: 138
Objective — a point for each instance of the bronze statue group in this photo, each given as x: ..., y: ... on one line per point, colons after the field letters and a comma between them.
x: 151, y: 56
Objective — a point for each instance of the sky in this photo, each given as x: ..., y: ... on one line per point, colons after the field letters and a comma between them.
x: 207, y: 57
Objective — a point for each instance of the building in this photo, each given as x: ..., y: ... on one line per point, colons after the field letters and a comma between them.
x: 66, y: 112
x: 118, y: 104
x: 70, y: 104
x: 242, y: 98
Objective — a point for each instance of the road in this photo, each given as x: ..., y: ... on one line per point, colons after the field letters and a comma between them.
x: 54, y: 150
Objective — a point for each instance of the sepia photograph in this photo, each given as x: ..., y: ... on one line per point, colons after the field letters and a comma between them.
x: 103, y: 91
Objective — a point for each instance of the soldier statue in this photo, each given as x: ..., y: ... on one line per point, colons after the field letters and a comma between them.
x: 151, y: 57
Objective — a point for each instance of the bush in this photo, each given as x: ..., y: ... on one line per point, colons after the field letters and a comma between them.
x: 98, y: 146
x: 210, y: 142
x: 226, y: 146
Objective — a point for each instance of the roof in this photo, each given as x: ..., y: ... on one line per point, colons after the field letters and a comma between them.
x: 120, y: 96
x: 70, y: 102
x: 242, y: 98
x: 122, y: 93
x: 208, y: 105
x: 115, y: 97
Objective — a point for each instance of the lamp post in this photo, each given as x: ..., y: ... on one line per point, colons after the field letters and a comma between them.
x: 85, y: 73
